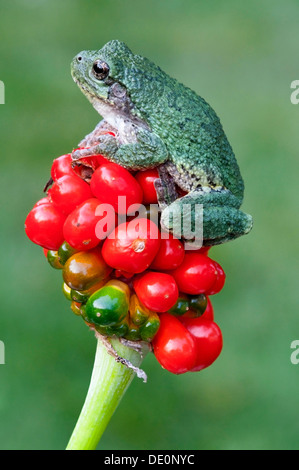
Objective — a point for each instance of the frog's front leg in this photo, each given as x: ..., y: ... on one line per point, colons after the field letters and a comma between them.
x: 92, y: 138
x: 147, y: 151
x: 222, y: 220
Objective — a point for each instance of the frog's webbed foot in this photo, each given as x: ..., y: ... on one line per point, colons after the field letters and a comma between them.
x: 206, y: 217
x: 106, y: 144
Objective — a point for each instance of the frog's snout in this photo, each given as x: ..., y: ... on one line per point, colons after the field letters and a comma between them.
x: 78, y: 59
x: 77, y: 64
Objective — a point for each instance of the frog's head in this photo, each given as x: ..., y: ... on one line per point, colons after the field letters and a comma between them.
x: 100, y: 74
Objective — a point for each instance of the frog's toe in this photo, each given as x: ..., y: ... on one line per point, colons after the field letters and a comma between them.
x: 78, y: 154
x: 248, y: 223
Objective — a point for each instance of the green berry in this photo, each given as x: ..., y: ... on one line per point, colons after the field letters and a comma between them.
x: 54, y: 260
x: 67, y: 291
x: 133, y: 333
x: 65, y: 251
x: 198, y: 304
x: 181, y: 307
x: 138, y: 312
x: 108, y: 306
x: 120, y: 330
x: 150, y: 328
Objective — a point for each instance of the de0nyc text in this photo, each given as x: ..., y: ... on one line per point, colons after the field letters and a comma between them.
x: 151, y: 459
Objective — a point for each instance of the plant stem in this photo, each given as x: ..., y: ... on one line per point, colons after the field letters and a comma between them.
x: 109, y: 382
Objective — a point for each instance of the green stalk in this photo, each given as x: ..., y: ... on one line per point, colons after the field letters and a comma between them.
x: 109, y: 381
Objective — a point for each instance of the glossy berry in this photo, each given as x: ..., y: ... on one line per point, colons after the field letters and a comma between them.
x: 44, y: 200
x: 181, y: 307
x: 170, y: 255
x: 62, y: 166
x: 65, y: 251
x: 208, y: 341
x: 76, y: 308
x: 196, y: 275
x: 150, y: 328
x: 53, y: 259
x: 139, y: 314
x: 157, y: 291
x: 146, y: 179
x: 132, y: 246
x: 209, y: 311
x: 68, y: 192
x: 109, y: 305
x: 198, y: 303
x: 111, y: 181
x: 44, y: 226
x: 84, y: 269
x: 220, y: 280
x: 80, y: 226
x: 199, y: 308
x: 174, y: 347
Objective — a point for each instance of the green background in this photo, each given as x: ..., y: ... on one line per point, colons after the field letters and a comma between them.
x: 241, y: 57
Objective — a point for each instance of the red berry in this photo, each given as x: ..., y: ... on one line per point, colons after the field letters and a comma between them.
x: 80, y: 226
x: 174, y: 347
x: 209, y: 311
x: 204, y: 250
x: 111, y: 181
x: 62, y: 166
x: 91, y: 161
x: 146, y: 180
x: 196, y: 275
x: 157, y: 291
x: 220, y: 280
x: 44, y: 226
x: 132, y: 246
x: 44, y: 200
x: 170, y: 255
x: 208, y: 341
x: 124, y: 274
x: 68, y: 192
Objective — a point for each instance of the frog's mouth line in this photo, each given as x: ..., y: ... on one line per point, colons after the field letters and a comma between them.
x: 107, y: 108
x: 92, y: 96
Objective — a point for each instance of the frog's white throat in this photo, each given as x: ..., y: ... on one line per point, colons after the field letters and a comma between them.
x: 126, y: 124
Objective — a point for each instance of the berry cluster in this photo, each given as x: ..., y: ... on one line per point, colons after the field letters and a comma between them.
x: 121, y: 273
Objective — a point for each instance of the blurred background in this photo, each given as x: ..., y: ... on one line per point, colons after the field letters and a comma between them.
x: 241, y: 57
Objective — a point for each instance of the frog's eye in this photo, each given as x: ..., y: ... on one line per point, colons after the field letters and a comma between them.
x: 100, y: 69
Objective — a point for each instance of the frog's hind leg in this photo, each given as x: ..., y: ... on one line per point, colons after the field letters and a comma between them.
x: 218, y: 209
x: 166, y: 188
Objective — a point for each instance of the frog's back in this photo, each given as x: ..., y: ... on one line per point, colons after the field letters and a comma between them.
x: 190, y: 128
x: 199, y: 145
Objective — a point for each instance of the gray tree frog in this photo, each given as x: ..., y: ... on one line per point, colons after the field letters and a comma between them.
x: 159, y: 122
